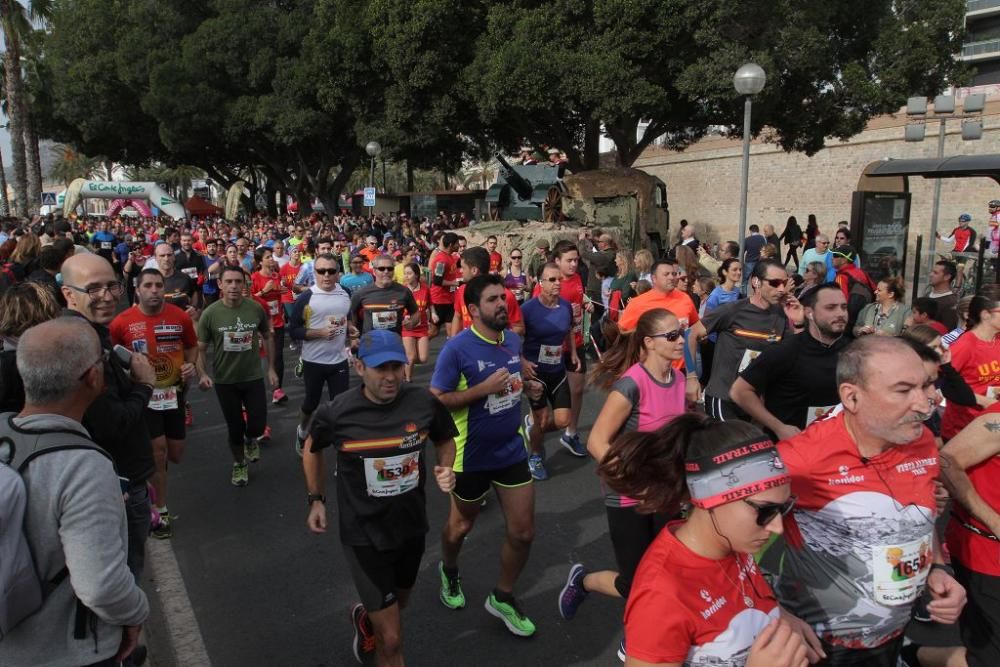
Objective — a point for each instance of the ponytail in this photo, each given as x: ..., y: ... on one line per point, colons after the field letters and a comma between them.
x: 624, y: 348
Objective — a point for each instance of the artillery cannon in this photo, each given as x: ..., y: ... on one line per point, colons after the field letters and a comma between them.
x: 526, y: 192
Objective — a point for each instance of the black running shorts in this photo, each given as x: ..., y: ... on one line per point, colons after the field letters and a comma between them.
x: 472, y: 486
x: 378, y: 575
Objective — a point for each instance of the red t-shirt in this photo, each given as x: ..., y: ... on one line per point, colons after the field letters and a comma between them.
x: 422, y: 295
x: 858, y: 546
x: 163, y: 338
x: 689, y: 609
x: 572, y: 290
x: 443, y: 266
x: 496, y: 262
x: 288, y: 274
x: 513, y: 310
x: 978, y: 362
x: 973, y: 551
x: 269, y: 301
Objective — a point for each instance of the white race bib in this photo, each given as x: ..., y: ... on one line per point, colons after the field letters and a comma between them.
x: 237, y: 341
x: 191, y: 272
x: 550, y: 354
x: 509, y: 398
x: 384, y: 319
x: 993, y: 392
x: 748, y: 356
x: 339, y: 324
x: 392, y: 475
x: 163, y: 399
x: 900, y: 571
x: 818, y: 412
x: 273, y: 307
x: 105, y: 245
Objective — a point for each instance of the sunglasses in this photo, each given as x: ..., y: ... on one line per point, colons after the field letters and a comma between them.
x: 326, y: 272
x: 669, y: 335
x: 553, y: 280
x: 515, y: 257
x: 384, y: 268
x: 776, y: 282
x: 767, y: 511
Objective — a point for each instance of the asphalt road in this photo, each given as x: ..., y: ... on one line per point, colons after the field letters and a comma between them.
x: 265, y: 591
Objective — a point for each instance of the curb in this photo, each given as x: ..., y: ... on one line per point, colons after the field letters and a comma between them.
x: 178, y: 631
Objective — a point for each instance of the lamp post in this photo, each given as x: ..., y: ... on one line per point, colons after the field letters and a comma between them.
x: 373, y: 148
x: 748, y: 80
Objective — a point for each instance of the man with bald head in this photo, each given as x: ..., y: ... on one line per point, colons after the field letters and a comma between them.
x: 116, y: 419
x: 74, y: 524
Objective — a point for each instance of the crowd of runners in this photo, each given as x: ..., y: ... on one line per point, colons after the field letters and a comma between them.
x: 796, y: 466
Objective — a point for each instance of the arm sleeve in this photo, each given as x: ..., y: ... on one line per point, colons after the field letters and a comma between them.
x: 654, y: 626
x: 188, y: 336
x: 954, y: 388
x: 718, y: 319
x: 627, y: 387
x: 297, y: 324
x: 203, y: 329
x: 324, y: 427
x: 442, y: 425
x: 446, y: 370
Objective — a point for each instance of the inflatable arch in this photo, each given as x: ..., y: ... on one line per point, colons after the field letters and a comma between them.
x: 136, y: 192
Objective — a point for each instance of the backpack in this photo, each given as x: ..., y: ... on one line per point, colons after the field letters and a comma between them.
x: 21, y: 589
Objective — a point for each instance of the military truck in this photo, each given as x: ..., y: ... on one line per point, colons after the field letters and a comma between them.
x: 629, y: 204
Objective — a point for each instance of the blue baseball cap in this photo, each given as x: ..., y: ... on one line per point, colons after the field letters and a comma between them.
x: 380, y: 346
x: 965, y: 217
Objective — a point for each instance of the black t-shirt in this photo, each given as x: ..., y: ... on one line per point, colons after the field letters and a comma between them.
x: 192, y: 266
x: 797, y: 378
x: 375, y: 307
x: 178, y: 290
x: 744, y: 332
x: 380, y: 462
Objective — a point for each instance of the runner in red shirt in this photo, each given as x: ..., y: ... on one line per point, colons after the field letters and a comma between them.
x: 698, y: 597
x: 166, y: 334
x: 267, y: 289
x: 860, y: 548
x: 976, y: 356
x: 288, y: 273
x: 496, y: 259
x: 415, y: 340
x: 475, y: 262
x: 443, y: 267
x: 567, y: 257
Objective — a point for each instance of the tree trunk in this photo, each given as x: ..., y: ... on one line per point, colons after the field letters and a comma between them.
x: 282, y: 203
x: 269, y: 193
x: 34, y: 163
x: 409, y: 176
x: 4, y: 200
x: 12, y: 80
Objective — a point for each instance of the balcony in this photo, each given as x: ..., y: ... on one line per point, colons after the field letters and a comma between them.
x: 978, y: 8
x: 985, y: 50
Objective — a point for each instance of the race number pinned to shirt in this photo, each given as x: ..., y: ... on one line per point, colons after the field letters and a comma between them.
x: 900, y: 571
x: 273, y: 307
x: 748, y: 356
x: 105, y: 245
x: 237, y: 341
x: 339, y: 324
x: 163, y: 398
x: 550, y: 354
x: 392, y: 475
x: 577, y: 317
x: 818, y: 412
x: 191, y: 272
x: 508, y: 398
x: 384, y: 319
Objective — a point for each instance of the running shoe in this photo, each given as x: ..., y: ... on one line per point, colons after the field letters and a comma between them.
x: 240, y: 474
x: 300, y: 443
x: 516, y: 622
x: 537, y: 466
x: 299, y: 368
x: 573, y: 593
x: 188, y: 415
x: 528, y: 423
x: 621, y: 650
x: 451, y: 589
x: 162, y: 530
x: 279, y: 396
x: 266, y: 435
x: 251, y: 449
x: 364, y: 634
x: 573, y: 445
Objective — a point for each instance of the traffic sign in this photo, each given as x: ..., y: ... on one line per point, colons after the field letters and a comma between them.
x: 48, y: 199
x: 369, y: 196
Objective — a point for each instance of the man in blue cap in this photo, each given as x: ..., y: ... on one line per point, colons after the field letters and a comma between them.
x: 963, y: 236
x: 379, y: 431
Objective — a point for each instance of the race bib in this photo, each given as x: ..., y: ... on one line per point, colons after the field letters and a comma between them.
x: 993, y: 392
x: 508, y: 398
x: 550, y: 354
x: 339, y: 324
x: 577, y: 318
x: 384, y: 319
x: 191, y: 272
x: 273, y: 307
x: 164, y: 398
x: 818, y: 412
x: 105, y: 245
x: 393, y: 475
x: 237, y: 341
x: 748, y: 356
x: 900, y: 571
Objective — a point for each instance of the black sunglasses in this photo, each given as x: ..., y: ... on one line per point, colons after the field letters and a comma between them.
x: 767, y: 511
x: 669, y: 335
x: 384, y: 268
x: 326, y: 272
x: 776, y: 282
x: 515, y: 257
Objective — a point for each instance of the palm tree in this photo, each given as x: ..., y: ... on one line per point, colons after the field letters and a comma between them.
x: 4, y: 199
x: 70, y: 164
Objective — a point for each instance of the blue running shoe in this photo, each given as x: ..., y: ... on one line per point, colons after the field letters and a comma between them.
x: 573, y: 445
x: 537, y: 467
x: 573, y: 593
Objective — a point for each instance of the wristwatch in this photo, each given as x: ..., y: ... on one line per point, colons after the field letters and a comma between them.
x: 943, y: 566
x: 313, y: 497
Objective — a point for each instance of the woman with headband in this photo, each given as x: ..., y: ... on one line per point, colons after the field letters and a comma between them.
x: 698, y: 595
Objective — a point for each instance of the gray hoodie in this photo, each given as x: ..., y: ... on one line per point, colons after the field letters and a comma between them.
x: 75, y: 518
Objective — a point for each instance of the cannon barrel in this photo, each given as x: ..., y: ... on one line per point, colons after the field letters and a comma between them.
x: 514, y: 179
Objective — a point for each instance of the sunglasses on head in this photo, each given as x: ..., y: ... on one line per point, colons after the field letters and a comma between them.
x: 669, y: 335
x: 775, y: 282
x: 767, y: 511
x: 326, y: 272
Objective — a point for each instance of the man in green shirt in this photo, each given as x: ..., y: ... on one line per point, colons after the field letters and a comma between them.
x: 235, y: 326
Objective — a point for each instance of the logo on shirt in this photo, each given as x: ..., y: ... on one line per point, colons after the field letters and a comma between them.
x: 716, y: 605
x: 918, y: 467
x: 845, y: 477
x: 706, y: 596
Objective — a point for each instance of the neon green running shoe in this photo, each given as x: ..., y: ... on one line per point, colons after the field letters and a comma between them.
x: 516, y: 622
x: 240, y: 474
x: 251, y: 449
x: 451, y: 589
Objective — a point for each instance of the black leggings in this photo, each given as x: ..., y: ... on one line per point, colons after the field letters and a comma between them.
x: 279, y: 356
x: 314, y: 376
x: 631, y: 534
x: 793, y: 253
x: 233, y: 400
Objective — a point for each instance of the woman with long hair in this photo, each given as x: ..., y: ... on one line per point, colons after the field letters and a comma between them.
x: 738, y: 490
x: 25, y: 255
x: 621, y: 285
x: 643, y: 262
x: 812, y: 230
x: 645, y: 393
x: 416, y: 340
x: 22, y: 306
x: 885, y: 316
x: 792, y: 236
x: 973, y: 355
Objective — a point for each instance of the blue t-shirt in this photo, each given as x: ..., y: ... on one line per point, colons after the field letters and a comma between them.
x: 752, y: 245
x: 103, y: 243
x: 489, y: 435
x: 351, y: 281
x: 545, y: 332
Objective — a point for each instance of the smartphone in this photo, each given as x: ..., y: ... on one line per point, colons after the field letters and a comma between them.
x: 123, y: 355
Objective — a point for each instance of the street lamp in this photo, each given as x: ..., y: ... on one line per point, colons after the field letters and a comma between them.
x: 373, y: 148
x: 748, y: 81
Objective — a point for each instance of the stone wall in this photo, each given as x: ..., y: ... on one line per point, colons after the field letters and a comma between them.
x: 703, y: 182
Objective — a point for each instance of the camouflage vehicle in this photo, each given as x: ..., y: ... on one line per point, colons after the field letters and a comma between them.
x: 629, y: 204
